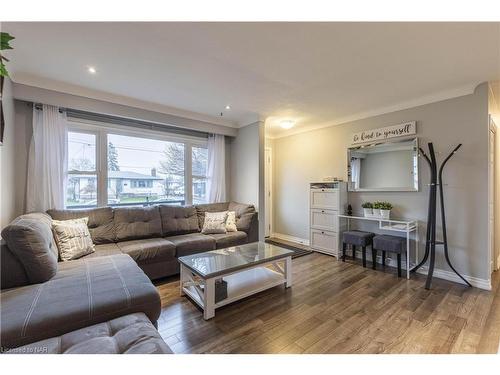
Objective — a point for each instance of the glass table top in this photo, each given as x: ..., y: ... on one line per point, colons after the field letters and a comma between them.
x: 218, y: 262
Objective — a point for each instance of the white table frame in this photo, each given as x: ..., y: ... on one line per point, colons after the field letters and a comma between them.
x: 409, y: 226
x: 202, y: 290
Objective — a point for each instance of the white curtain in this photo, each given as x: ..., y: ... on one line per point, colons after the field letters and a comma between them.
x: 216, y: 184
x: 47, y: 160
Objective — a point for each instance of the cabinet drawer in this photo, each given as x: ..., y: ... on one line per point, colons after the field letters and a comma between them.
x: 325, y: 241
x: 324, y: 198
x: 324, y: 219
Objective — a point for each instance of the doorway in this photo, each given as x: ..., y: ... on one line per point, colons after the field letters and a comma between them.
x: 268, y: 189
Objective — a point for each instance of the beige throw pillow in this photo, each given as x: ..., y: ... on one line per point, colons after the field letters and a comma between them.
x: 72, y: 238
x: 231, y: 222
x: 215, y: 223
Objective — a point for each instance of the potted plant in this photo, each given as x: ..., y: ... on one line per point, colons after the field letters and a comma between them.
x: 376, y: 208
x: 367, y: 209
x: 385, y: 210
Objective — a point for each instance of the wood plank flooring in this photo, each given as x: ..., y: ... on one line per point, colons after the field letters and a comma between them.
x: 336, y: 307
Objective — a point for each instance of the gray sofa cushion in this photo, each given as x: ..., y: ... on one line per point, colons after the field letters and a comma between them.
x: 137, y: 222
x: 148, y: 249
x: 229, y: 239
x: 210, y: 207
x: 104, y: 250
x: 101, y: 226
x: 178, y: 220
x: 129, y: 334
x: 12, y: 270
x: 244, y: 215
x: 29, y: 238
x: 84, y: 292
x: 187, y: 244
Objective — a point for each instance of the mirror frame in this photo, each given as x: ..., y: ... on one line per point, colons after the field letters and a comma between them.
x: 416, y: 185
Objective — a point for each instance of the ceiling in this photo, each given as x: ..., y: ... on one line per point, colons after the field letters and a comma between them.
x: 317, y: 74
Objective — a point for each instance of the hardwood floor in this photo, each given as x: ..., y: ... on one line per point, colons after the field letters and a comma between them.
x: 336, y: 307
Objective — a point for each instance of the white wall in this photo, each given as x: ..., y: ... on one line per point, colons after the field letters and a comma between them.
x: 245, y: 165
x: 307, y: 157
x: 247, y: 168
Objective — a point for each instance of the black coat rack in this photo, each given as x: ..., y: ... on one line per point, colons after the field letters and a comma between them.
x: 430, y: 243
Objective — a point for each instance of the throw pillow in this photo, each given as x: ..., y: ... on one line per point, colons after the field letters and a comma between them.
x: 72, y: 238
x: 215, y: 222
x: 231, y: 222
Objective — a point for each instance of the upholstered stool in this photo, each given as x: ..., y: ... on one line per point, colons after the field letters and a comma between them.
x: 356, y: 238
x: 392, y: 244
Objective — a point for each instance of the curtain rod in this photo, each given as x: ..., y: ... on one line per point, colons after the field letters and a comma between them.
x: 84, y: 115
x: 39, y: 106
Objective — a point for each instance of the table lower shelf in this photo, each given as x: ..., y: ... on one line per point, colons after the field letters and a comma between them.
x: 242, y: 284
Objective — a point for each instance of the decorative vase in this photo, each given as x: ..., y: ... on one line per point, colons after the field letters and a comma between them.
x: 385, y: 214
x: 368, y: 212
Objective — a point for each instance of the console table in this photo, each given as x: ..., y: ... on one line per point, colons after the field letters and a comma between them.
x: 403, y: 226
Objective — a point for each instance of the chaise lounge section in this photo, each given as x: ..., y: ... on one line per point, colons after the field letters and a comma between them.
x: 73, y: 306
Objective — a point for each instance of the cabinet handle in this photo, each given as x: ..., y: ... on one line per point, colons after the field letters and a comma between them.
x: 322, y: 232
x: 323, y: 211
x: 322, y: 189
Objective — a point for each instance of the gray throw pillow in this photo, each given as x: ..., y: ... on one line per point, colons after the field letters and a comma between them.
x: 72, y: 238
x: 214, y: 223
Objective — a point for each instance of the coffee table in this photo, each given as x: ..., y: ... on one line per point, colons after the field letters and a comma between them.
x: 247, y: 269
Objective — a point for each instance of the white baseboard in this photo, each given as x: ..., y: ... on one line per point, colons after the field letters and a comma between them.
x: 439, y: 273
x: 442, y: 274
x: 452, y: 276
x: 286, y: 237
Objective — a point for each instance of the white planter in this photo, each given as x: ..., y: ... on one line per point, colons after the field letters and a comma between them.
x: 376, y: 212
x: 385, y: 214
x: 368, y: 212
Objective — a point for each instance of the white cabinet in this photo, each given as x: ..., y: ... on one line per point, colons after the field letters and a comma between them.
x: 327, y: 201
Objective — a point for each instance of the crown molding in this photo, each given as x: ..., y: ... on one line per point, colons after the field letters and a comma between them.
x: 417, y: 102
x: 71, y: 89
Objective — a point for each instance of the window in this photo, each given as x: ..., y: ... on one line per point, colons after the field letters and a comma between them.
x: 82, y: 172
x: 116, y: 167
x: 199, y: 159
x: 143, y: 171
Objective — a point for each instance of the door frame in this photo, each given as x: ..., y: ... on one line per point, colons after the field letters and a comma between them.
x: 268, y: 165
x: 492, y: 251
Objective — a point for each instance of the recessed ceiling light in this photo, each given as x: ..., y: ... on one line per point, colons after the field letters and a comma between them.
x: 228, y: 107
x: 91, y: 70
x: 287, y: 124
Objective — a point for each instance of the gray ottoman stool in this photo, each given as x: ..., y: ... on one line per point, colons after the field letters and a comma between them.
x: 356, y: 238
x: 392, y: 244
x: 129, y: 334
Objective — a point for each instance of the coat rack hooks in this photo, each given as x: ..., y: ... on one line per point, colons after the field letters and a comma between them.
x: 430, y: 243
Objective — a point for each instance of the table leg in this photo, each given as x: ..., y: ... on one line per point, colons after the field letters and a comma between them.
x: 209, y: 299
x: 288, y: 272
x: 407, y: 252
x: 182, y: 277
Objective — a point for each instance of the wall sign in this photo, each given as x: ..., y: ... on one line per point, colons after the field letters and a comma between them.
x: 401, y: 130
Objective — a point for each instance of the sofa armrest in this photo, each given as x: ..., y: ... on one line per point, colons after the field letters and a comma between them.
x: 253, y: 230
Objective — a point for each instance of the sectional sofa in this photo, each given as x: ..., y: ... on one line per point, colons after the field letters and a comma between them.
x: 104, y: 302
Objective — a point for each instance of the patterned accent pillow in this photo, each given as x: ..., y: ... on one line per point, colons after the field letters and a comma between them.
x: 72, y: 238
x: 231, y: 222
x: 215, y: 223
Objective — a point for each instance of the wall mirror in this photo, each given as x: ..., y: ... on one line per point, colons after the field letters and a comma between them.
x: 387, y: 166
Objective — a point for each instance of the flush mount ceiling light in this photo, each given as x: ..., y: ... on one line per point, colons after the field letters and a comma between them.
x: 287, y: 124
x: 228, y: 107
x: 91, y: 70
